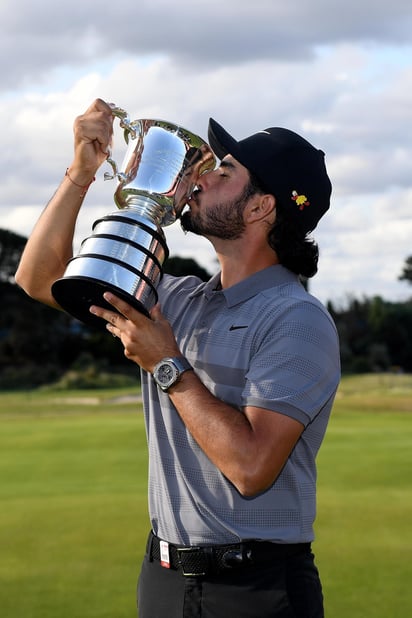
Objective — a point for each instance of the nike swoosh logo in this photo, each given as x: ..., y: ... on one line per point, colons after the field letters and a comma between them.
x: 233, y: 327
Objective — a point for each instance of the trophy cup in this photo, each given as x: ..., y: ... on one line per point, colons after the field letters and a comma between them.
x: 127, y: 248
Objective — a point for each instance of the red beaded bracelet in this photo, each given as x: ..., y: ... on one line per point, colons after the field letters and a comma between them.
x: 84, y: 187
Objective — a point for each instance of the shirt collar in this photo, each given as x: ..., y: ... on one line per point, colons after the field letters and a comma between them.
x: 270, y: 277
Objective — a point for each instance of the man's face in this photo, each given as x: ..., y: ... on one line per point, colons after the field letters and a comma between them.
x: 216, y: 208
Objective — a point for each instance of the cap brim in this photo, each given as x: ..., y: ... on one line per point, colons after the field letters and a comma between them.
x: 220, y: 141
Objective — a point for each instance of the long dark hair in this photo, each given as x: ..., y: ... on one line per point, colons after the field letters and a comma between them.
x: 296, y: 251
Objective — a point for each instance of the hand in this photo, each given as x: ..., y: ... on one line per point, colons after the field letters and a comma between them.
x: 92, y: 139
x: 146, y: 340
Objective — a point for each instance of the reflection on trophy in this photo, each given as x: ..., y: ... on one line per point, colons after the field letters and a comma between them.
x: 127, y: 248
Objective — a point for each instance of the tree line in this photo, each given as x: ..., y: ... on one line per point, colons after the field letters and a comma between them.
x: 39, y: 345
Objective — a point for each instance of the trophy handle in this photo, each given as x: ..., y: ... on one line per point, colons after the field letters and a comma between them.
x: 129, y: 130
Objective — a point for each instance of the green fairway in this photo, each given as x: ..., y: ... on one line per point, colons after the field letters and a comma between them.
x: 364, y: 536
x: 73, y: 515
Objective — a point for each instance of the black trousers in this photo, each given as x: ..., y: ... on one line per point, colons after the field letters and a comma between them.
x: 289, y: 588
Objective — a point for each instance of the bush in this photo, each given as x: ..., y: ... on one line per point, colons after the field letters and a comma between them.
x: 93, y: 378
x: 27, y: 376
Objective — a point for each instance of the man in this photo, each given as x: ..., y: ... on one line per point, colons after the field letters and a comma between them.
x: 245, y: 368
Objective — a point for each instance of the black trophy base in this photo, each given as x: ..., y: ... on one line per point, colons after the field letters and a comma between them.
x: 77, y: 294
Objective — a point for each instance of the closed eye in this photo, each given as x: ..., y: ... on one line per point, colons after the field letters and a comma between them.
x: 224, y: 167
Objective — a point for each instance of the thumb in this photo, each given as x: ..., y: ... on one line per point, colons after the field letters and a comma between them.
x: 156, y: 313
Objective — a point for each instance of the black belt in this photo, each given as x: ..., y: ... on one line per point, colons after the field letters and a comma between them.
x: 213, y: 559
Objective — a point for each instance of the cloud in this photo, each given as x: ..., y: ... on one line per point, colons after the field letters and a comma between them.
x: 339, y: 73
x: 42, y: 36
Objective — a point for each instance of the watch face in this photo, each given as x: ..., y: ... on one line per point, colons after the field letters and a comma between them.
x: 166, y: 374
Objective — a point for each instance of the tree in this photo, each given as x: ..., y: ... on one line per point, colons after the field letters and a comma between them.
x: 406, y: 274
x: 38, y: 344
x: 180, y: 267
x: 11, y: 247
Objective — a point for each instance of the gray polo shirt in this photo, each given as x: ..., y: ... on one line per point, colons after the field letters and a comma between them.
x: 264, y: 342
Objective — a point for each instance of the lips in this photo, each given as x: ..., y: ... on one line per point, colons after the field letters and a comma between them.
x: 193, y: 197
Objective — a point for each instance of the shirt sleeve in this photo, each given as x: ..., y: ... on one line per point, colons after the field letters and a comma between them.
x: 294, y: 368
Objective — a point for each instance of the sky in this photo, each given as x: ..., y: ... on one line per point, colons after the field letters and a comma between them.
x: 338, y: 73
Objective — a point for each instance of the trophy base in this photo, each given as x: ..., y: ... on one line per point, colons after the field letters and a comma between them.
x: 77, y: 294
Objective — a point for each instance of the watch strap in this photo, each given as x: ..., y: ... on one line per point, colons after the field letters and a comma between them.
x: 180, y: 365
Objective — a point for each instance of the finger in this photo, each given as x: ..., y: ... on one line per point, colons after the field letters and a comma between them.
x: 96, y: 124
x: 100, y: 106
x: 106, y: 314
x: 126, y: 310
x: 113, y: 330
x: 104, y: 149
x: 156, y: 313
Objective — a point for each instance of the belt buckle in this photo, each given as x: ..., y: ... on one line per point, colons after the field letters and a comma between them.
x: 183, y: 553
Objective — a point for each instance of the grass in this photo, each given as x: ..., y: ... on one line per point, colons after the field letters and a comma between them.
x: 364, y: 538
x: 73, y: 517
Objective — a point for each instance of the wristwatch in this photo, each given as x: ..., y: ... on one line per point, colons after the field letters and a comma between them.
x: 168, y: 371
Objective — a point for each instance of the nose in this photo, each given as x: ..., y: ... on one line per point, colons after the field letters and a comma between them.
x: 206, y: 180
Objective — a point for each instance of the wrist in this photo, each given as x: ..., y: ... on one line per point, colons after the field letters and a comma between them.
x: 80, y: 179
x: 169, y: 371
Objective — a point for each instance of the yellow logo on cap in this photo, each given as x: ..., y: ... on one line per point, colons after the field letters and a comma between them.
x: 301, y: 200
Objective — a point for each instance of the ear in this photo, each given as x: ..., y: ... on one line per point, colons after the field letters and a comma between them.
x: 260, y: 207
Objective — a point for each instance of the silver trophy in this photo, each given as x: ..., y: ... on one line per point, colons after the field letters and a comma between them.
x: 127, y: 248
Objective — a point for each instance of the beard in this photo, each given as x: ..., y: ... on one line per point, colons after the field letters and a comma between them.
x: 224, y: 220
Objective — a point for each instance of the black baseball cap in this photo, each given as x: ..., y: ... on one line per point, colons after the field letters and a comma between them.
x: 285, y: 165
